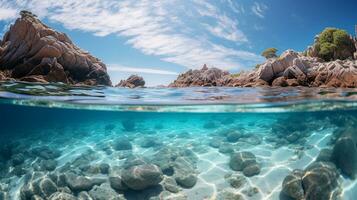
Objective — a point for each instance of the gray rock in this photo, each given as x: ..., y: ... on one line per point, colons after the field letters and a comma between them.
x: 241, y: 160
x: 46, y: 152
x: 236, y: 180
x: 103, y: 192
x: 185, y: 174
x: 171, y: 185
x: 62, y: 196
x: 18, y: 159
x: 233, y: 137
x: 251, y: 170
x: 80, y: 183
x: 117, y: 183
x: 226, y: 148
x: 325, y: 155
x: 319, y: 180
x: 104, y: 168
x: 84, y: 196
x: 229, y: 195
x: 345, y: 153
x: 122, y: 144
x: 47, y: 187
x: 142, y: 176
x: 148, y: 142
x: 292, y: 185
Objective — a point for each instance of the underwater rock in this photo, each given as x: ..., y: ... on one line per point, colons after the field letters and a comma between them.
x: 104, y: 192
x: 325, y: 155
x: 251, y: 170
x: 226, y: 148
x: 319, y: 180
x: 292, y: 185
x: 43, y: 187
x: 32, y: 51
x: 122, y: 143
x: 18, y: 159
x: 80, y: 183
x: 233, y: 137
x: 46, y: 152
x: 117, y: 183
x: 128, y: 125
x: 215, y: 142
x: 104, y: 168
x: 241, y: 160
x: 236, y: 180
x: 229, y: 195
x: 246, y: 162
x: 345, y: 153
x: 133, y: 81
x: 185, y: 174
x: 142, y: 176
x: 148, y: 142
x: 170, y: 184
x: 62, y: 196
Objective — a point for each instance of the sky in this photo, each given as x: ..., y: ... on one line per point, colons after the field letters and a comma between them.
x: 160, y: 39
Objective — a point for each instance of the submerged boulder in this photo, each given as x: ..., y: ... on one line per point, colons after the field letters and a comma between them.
x: 344, y: 153
x: 143, y: 176
x: 32, y: 51
x: 317, y: 182
x: 246, y: 162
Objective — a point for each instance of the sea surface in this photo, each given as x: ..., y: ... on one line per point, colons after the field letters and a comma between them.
x: 62, y: 142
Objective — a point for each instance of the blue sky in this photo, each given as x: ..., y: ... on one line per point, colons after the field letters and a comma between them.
x: 160, y: 39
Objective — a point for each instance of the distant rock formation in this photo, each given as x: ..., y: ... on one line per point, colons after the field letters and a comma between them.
x: 203, y: 77
x: 290, y: 69
x: 31, y: 51
x: 132, y: 82
x: 295, y: 69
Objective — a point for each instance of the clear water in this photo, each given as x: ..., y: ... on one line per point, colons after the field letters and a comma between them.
x: 78, y: 129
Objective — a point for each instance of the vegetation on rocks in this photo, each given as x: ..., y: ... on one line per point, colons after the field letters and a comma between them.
x: 333, y: 44
x: 270, y: 53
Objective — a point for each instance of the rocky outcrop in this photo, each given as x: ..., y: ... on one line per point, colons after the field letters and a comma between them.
x: 32, y: 51
x: 295, y: 69
x: 204, y: 77
x: 133, y: 81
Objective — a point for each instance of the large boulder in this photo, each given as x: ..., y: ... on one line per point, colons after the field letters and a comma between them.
x: 143, y: 176
x: 317, y: 182
x: 132, y: 82
x: 344, y: 153
x: 32, y: 51
x: 245, y: 162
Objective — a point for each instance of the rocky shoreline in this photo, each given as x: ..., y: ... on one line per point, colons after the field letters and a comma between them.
x: 290, y: 69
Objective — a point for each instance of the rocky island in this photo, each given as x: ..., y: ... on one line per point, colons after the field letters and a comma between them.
x: 318, y: 66
x: 33, y: 52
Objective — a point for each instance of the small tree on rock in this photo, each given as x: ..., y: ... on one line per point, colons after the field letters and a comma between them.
x: 270, y: 53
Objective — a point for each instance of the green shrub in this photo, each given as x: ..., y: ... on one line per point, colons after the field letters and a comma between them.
x: 270, y: 53
x: 334, y: 44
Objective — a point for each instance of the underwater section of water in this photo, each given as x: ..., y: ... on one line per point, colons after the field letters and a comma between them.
x: 96, y: 143
x: 52, y: 153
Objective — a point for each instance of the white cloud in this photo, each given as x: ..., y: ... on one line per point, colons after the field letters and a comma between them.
x: 170, y: 30
x: 139, y: 70
x: 259, y: 9
x: 6, y: 12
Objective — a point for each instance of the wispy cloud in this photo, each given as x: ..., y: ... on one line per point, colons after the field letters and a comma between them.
x: 139, y: 70
x: 170, y: 30
x: 259, y: 9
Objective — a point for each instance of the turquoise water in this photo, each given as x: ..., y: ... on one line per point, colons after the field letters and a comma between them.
x: 60, y: 142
